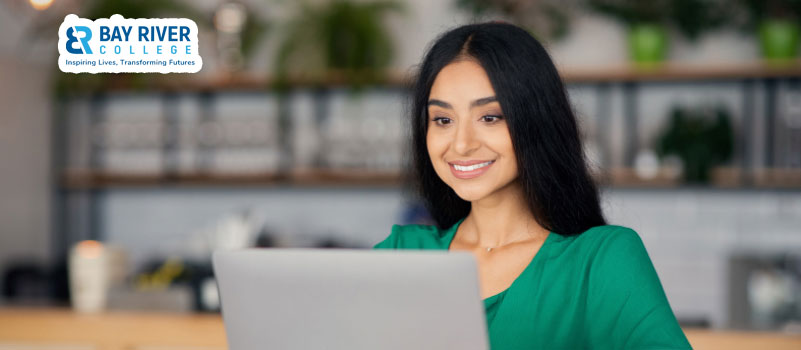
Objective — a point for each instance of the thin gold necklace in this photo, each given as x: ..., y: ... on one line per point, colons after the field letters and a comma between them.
x: 489, y: 249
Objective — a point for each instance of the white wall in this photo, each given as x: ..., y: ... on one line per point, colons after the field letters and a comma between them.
x: 25, y: 69
x: 24, y: 161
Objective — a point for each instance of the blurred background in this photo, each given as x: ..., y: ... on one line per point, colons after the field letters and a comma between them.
x: 293, y: 135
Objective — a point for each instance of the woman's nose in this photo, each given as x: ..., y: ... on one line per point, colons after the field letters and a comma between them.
x: 465, y: 141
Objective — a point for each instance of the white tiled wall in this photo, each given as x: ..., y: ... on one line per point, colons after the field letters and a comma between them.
x: 689, y: 233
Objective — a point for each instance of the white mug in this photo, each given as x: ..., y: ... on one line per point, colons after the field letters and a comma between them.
x: 93, y: 269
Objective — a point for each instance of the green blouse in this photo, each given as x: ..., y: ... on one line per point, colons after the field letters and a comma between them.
x: 596, y: 290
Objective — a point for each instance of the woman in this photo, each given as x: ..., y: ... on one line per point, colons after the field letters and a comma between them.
x: 499, y: 164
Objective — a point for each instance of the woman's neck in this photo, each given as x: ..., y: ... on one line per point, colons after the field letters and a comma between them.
x: 501, y: 218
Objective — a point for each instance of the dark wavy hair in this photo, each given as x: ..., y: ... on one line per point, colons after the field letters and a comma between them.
x: 553, y: 172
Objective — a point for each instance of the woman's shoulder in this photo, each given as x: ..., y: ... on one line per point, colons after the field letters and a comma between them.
x: 625, y: 298
x: 415, y: 237
x: 603, y: 240
x: 609, y: 234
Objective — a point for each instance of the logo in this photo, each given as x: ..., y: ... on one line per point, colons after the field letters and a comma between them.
x: 120, y: 45
x: 84, y: 40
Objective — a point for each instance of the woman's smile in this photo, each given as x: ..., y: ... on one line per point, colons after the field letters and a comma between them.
x: 470, y: 169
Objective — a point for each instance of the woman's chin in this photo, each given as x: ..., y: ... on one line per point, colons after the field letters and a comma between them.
x: 470, y: 194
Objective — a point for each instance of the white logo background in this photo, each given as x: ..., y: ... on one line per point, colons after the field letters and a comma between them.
x: 141, y: 45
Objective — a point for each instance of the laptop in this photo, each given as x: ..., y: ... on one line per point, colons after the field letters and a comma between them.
x: 350, y: 299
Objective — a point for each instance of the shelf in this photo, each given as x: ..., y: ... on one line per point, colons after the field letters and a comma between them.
x: 722, y: 177
x: 627, y: 177
x: 777, y: 178
x: 669, y: 71
x: 97, y: 179
x: 230, y: 82
x: 682, y: 72
x: 87, y: 180
x: 351, y: 177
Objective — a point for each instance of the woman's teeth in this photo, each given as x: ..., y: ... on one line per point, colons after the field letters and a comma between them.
x: 471, y: 167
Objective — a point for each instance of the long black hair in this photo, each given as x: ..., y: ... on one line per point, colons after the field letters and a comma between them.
x: 552, y: 168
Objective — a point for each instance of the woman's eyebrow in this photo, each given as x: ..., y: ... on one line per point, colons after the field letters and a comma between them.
x: 443, y: 104
x: 476, y: 103
x: 483, y: 101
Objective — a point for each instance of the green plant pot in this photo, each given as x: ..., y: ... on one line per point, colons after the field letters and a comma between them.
x: 779, y: 39
x: 647, y: 43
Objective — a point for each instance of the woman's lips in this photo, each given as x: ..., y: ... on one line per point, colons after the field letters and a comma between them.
x: 471, y: 171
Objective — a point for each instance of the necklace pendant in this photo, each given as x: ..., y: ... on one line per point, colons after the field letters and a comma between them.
x: 489, y: 249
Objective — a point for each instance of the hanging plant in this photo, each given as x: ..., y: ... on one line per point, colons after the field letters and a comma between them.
x: 545, y: 19
x: 341, y: 40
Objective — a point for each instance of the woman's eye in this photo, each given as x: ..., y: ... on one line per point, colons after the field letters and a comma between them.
x: 491, y: 118
x: 442, y: 120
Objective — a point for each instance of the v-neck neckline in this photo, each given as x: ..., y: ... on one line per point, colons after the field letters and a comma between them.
x: 448, y: 237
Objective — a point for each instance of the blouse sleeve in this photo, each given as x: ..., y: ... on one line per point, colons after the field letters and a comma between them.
x: 626, y: 306
x: 391, y: 242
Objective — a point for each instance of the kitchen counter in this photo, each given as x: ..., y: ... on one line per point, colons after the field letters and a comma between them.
x: 62, y: 329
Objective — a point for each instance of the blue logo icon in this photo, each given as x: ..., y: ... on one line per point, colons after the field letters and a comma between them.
x: 72, y: 39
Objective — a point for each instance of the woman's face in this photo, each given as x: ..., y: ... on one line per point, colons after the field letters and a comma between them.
x: 468, y: 139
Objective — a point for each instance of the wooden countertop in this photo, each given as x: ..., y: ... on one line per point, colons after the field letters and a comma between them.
x: 62, y: 329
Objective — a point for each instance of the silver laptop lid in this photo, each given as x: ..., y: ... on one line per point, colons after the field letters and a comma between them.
x: 350, y: 299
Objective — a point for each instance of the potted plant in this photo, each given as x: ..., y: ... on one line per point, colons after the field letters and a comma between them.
x: 648, y: 22
x: 341, y: 40
x: 700, y: 137
x: 776, y: 23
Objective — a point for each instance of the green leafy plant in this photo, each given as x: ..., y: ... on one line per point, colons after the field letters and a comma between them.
x: 342, y: 40
x: 776, y: 23
x: 690, y: 17
x: 543, y: 18
x: 700, y: 137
